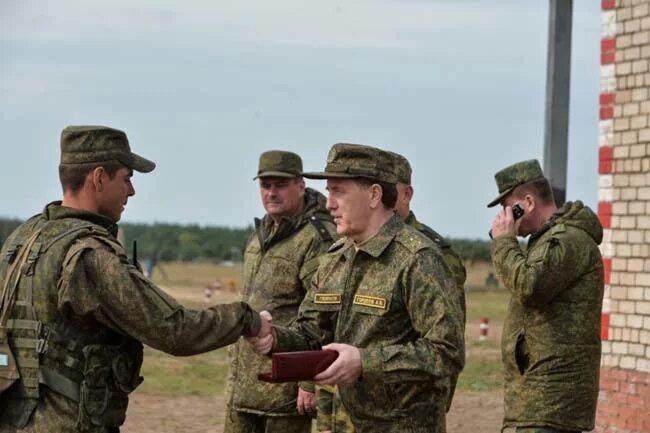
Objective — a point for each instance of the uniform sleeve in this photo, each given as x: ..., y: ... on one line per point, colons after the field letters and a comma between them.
x: 97, y: 283
x: 324, y: 407
x: 549, y: 267
x: 436, y: 315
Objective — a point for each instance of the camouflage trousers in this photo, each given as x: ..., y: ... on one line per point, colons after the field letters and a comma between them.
x: 244, y: 422
x: 332, y: 415
x: 541, y: 430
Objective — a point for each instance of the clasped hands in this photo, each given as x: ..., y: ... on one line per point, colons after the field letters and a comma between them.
x: 345, y: 370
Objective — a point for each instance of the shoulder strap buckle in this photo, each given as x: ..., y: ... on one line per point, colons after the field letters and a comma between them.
x: 11, y: 254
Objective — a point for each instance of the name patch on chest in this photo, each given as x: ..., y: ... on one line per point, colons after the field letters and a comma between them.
x: 370, y: 301
x: 327, y: 298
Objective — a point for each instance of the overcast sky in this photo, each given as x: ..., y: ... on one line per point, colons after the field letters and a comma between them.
x: 202, y: 87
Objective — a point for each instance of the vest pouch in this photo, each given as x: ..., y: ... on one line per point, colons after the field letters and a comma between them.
x: 101, y: 402
x: 8, y: 370
x: 126, y: 366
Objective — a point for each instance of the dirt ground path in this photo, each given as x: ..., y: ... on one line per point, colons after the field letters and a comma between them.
x: 472, y: 412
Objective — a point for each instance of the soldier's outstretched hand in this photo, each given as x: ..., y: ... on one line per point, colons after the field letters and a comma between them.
x: 345, y: 370
x: 265, y: 340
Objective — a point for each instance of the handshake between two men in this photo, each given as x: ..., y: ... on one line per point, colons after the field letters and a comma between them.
x: 344, y: 370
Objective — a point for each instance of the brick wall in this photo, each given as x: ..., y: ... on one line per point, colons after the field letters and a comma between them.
x: 624, y: 211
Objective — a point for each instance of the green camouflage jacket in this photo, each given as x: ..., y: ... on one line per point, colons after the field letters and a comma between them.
x: 331, y: 413
x: 450, y: 256
x: 551, y: 335
x: 278, y: 266
x: 395, y: 299
x: 96, y: 310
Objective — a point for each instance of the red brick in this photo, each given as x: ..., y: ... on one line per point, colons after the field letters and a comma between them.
x: 607, y: 384
x: 608, y: 4
x: 636, y: 401
x: 605, y: 153
x: 607, y: 269
x: 605, y: 214
x: 615, y: 373
x: 643, y: 391
x: 607, y: 98
x: 627, y: 413
x: 606, y: 113
x: 628, y: 388
x: 639, y: 377
x: 605, y: 167
x: 604, y: 333
x: 607, y: 410
x: 607, y: 44
x: 618, y: 400
x: 633, y: 423
x: 604, y: 208
x: 608, y: 58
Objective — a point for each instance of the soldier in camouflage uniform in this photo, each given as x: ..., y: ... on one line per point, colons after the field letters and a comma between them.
x: 280, y: 259
x: 385, y: 296
x: 81, y: 310
x: 551, y: 335
x: 331, y: 413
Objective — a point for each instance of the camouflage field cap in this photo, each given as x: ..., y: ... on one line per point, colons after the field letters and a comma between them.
x: 89, y: 144
x: 279, y: 163
x: 402, y: 168
x: 347, y: 160
x: 514, y: 175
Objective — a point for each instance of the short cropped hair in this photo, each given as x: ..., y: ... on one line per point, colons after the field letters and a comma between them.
x: 539, y: 188
x: 73, y: 176
x: 389, y: 190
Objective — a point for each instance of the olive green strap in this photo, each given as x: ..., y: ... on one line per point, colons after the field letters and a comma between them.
x: 33, y: 325
x: 59, y: 383
x: 9, y: 293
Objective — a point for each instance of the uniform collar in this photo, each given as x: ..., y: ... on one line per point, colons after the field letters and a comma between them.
x: 55, y: 211
x: 379, y: 242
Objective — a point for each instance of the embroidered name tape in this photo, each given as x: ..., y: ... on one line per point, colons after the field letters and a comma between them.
x: 327, y: 298
x: 370, y: 301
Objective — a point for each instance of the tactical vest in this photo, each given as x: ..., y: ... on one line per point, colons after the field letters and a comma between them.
x: 82, y: 360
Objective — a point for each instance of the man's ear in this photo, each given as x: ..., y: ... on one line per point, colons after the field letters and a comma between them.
x: 408, y: 193
x: 98, y: 177
x: 376, y: 192
x: 530, y: 202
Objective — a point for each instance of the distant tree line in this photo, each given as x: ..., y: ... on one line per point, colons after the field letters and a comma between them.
x: 187, y: 242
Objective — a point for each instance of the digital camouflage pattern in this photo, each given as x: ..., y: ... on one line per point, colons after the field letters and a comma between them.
x: 237, y: 422
x: 347, y: 160
x: 451, y: 257
x: 541, y: 430
x: 331, y: 413
x: 278, y: 266
x: 96, y: 311
x: 93, y: 144
x: 402, y: 168
x: 514, y: 175
x: 551, y: 336
x: 279, y: 163
x: 393, y: 297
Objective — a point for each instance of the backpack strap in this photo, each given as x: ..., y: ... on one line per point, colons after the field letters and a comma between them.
x: 9, y: 289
